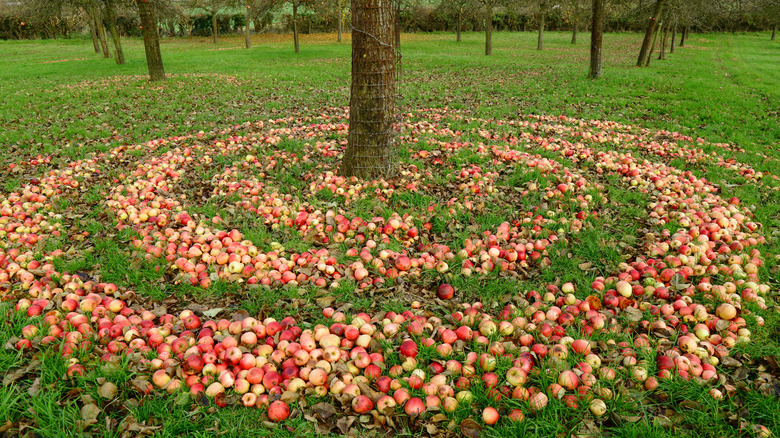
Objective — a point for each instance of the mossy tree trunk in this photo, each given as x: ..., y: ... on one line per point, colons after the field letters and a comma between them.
x: 652, y: 46
x: 650, y: 33
x: 111, y: 20
x: 662, y: 50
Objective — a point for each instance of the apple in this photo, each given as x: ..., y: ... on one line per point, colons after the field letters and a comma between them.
x: 445, y: 291
x: 362, y: 404
x: 278, y: 411
x: 490, y: 416
x: 414, y: 407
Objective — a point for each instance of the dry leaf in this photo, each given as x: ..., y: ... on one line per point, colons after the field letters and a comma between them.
x: 108, y: 390
x: 470, y: 428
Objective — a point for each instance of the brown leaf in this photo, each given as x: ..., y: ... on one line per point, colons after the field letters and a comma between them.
x: 324, y: 410
x: 325, y: 301
x: 13, y: 376
x: 35, y: 388
x: 344, y: 424
x: 108, y: 390
x: 470, y: 428
x: 89, y: 413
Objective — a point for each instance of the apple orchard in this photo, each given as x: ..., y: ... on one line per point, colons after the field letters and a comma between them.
x: 674, y: 309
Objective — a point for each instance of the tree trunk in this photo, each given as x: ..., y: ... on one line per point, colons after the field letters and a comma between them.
x: 111, y: 19
x: 683, y: 35
x: 214, y: 26
x: 93, y: 32
x: 574, y: 34
x: 774, y: 32
x: 649, y: 32
x: 652, y: 46
x: 295, y: 28
x: 246, y: 27
x: 540, y: 42
x: 372, y: 96
x: 148, y: 14
x: 460, y: 23
x: 596, y: 34
x: 397, y: 14
x: 101, y: 30
x: 673, y: 41
x: 662, y: 54
x: 340, y: 21
x: 489, y: 30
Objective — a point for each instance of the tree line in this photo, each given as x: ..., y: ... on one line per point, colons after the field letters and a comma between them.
x: 666, y: 19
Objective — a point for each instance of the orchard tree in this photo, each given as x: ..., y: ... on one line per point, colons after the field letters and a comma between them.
x: 488, y: 6
x: 543, y: 6
x: 109, y: 9
x: 255, y: 8
x: 296, y: 4
x: 650, y: 32
x: 147, y: 10
x: 577, y: 11
x: 372, y: 95
x: 596, y: 34
x: 458, y: 8
x: 213, y: 7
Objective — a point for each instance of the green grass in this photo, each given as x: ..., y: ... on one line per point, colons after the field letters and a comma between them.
x: 721, y: 87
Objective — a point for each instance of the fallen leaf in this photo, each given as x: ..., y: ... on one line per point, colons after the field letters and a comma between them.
x: 108, y: 390
x: 470, y: 428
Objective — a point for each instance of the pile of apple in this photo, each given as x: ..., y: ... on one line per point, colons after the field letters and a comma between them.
x: 533, y: 350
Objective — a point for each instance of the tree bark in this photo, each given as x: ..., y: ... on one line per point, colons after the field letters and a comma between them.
x: 596, y: 37
x: 489, y: 29
x: 540, y: 41
x: 214, y: 26
x: 246, y: 27
x: 111, y: 19
x: 93, y: 32
x: 101, y: 30
x: 662, y: 54
x: 148, y: 14
x: 774, y: 32
x: 295, y: 28
x: 673, y: 41
x: 460, y: 23
x: 649, y: 32
x: 574, y: 34
x: 340, y: 21
x: 372, y: 95
x: 652, y: 46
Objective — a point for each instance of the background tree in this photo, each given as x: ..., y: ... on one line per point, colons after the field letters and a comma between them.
x: 596, y: 34
x: 577, y: 13
x: 147, y: 10
x: 109, y: 7
x: 372, y: 95
x: 296, y: 4
x: 543, y: 5
x: 650, y: 32
x: 488, y: 11
x: 459, y: 9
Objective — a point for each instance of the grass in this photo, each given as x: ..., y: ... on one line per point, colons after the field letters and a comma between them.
x: 721, y: 87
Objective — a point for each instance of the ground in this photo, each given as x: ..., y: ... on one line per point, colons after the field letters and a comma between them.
x: 574, y: 209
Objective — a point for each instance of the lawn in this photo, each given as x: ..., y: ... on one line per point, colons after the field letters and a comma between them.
x: 632, y: 214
